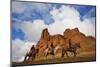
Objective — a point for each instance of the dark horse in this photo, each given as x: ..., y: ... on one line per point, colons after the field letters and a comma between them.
x: 49, y: 50
x: 31, y: 54
x: 71, y: 49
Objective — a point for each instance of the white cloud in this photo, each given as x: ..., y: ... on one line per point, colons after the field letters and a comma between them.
x: 20, y: 48
x: 65, y: 12
x: 64, y: 17
x: 69, y: 17
x: 32, y: 30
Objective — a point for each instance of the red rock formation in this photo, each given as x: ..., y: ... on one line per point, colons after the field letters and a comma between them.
x: 62, y: 40
x: 45, y: 35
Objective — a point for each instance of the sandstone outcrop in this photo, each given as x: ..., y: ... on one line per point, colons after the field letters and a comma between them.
x: 87, y: 42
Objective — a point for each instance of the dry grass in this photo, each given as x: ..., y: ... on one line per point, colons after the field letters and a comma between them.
x: 81, y: 57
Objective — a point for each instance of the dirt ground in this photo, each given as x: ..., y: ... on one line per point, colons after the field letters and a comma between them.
x: 81, y: 57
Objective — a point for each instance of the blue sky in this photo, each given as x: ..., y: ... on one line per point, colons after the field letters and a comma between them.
x: 30, y: 14
x: 29, y: 19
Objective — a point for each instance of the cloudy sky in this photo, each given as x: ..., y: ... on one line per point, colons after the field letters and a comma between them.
x: 29, y: 19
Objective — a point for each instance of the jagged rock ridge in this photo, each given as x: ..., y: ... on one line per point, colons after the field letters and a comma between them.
x: 87, y: 42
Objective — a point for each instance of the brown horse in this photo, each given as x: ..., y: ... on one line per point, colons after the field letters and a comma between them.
x: 71, y: 49
x: 49, y: 50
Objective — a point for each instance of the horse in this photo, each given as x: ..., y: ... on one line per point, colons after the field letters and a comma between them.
x: 72, y: 49
x: 49, y: 50
x: 31, y: 54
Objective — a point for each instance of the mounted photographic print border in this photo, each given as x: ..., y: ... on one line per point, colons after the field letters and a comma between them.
x: 52, y: 33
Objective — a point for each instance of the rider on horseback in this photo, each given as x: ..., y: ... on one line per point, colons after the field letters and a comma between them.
x: 49, y: 50
x: 31, y: 54
x: 72, y: 48
x: 32, y: 48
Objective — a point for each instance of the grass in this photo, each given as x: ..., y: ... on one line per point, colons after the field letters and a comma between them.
x: 81, y: 57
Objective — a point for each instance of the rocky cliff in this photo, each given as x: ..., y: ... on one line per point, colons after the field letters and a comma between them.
x: 87, y: 42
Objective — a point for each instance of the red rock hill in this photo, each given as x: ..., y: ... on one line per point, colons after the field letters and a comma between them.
x: 87, y: 42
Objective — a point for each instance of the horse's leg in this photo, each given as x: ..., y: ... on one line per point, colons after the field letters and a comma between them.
x: 67, y: 53
x: 53, y: 55
x: 25, y: 57
x: 33, y: 57
x: 30, y: 58
x: 46, y: 55
x: 63, y: 53
x: 74, y: 53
